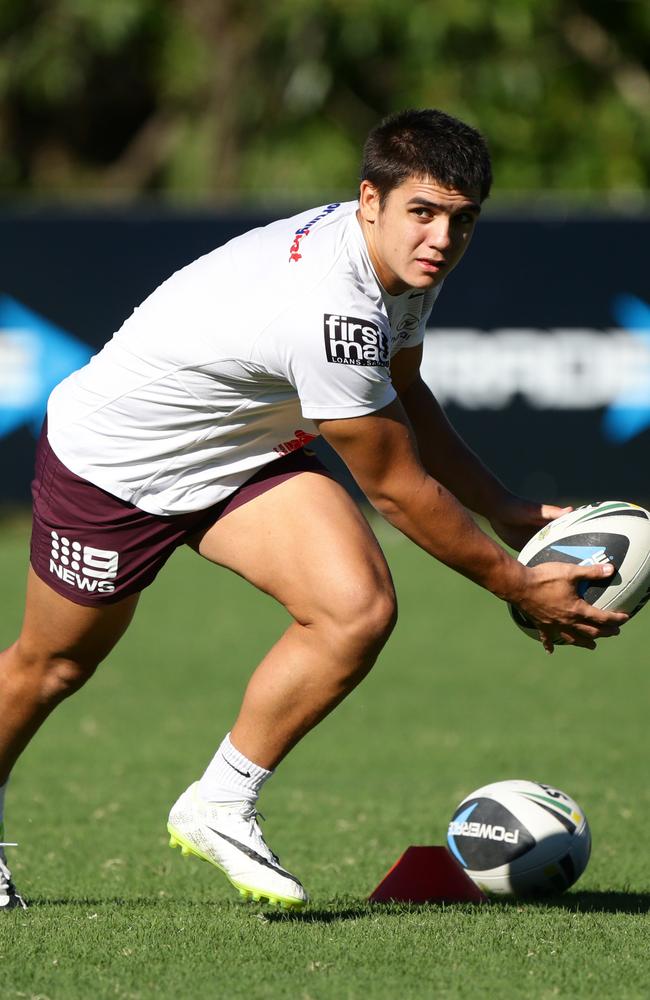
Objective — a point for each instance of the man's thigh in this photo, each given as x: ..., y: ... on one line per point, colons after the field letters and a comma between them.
x: 55, y: 627
x: 305, y: 542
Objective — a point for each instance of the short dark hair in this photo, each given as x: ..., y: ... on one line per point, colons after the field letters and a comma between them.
x: 426, y: 143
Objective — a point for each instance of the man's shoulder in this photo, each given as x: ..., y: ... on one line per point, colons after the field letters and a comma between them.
x: 287, y: 238
x: 328, y: 257
x: 290, y: 254
x: 315, y: 259
x: 324, y: 224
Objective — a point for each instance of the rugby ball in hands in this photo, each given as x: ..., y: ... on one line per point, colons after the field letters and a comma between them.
x: 610, y: 531
x: 520, y: 838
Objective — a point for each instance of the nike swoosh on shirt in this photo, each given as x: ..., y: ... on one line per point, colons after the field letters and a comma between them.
x: 254, y: 856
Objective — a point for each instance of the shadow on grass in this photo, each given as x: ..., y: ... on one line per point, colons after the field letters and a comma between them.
x: 335, y: 912
x: 34, y: 903
x: 349, y: 911
x: 315, y: 916
x: 588, y: 902
x: 575, y: 902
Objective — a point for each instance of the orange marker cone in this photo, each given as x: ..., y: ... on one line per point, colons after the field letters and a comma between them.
x: 427, y: 875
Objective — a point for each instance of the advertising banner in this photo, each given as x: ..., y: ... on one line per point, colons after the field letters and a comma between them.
x: 538, y: 346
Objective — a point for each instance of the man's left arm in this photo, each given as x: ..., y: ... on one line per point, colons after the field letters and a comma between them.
x: 451, y: 462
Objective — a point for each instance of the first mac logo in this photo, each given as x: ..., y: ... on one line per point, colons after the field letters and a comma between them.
x: 353, y: 341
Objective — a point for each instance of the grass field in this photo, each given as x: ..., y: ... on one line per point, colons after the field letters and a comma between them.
x: 459, y: 698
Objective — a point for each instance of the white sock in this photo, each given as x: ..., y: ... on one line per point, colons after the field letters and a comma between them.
x: 3, y: 789
x: 231, y: 777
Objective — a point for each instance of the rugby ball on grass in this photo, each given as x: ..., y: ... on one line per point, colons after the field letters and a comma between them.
x: 520, y: 838
x: 611, y: 531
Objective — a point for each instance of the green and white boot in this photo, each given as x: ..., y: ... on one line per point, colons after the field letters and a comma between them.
x: 9, y: 898
x: 228, y: 835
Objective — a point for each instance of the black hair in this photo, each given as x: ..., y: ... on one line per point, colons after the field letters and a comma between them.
x: 426, y: 143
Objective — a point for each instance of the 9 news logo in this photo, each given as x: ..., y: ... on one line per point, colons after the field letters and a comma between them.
x: 83, y: 566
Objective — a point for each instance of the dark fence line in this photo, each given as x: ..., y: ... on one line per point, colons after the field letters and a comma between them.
x: 539, y: 345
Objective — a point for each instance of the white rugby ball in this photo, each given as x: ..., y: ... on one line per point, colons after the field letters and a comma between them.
x: 520, y: 838
x: 610, y: 531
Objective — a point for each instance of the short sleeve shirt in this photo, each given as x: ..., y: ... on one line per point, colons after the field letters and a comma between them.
x: 228, y: 363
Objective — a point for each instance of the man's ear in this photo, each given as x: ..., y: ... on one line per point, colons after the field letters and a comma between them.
x: 369, y: 201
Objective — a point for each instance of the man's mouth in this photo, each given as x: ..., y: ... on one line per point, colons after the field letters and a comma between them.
x: 434, y: 266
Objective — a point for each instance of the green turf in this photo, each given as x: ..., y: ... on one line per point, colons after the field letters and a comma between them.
x: 459, y: 698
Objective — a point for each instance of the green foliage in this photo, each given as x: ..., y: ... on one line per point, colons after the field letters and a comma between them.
x: 199, y: 99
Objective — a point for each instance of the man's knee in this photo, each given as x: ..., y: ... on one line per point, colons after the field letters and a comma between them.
x: 366, y: 616
x: 65, y: 676
x: 381, y: 615
x: 56, y: 676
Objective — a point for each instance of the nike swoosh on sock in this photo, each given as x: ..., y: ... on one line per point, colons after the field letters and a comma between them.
x: 244, y: 774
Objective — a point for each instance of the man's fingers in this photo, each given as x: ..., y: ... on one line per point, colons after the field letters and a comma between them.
x: 582, y: 642
x: 593, y: 572
x: 546, y: 640
x: 596, y: 632
x: 572, y: 619
x: 602, y: 619
x: 596, y: 615
x: 579, y: 636
x: 586, y: 631
x: 583, y: 636
x: 549, y: 512
x: 540, y: 514
x: 608, y: 631
x: 568, y: 637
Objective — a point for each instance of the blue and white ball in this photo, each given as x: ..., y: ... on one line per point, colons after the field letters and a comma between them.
x: 520, y: 838
x: 611, y: 531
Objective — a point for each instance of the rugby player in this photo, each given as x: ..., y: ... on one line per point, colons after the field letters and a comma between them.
x: 190, y: 427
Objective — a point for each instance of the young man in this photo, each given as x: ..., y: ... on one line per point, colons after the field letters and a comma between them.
x: 189, y: 427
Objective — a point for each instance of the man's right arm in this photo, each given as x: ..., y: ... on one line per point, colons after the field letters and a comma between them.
x: 381, y: 453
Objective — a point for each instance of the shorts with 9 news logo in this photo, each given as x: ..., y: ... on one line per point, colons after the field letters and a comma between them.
x: 96, y: 549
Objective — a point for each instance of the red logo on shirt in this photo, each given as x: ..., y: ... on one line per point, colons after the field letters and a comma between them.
x: 304, y: 231
x: 293, y: 249
x: 299, y: 441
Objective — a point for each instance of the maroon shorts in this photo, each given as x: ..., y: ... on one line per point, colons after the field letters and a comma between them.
x: 95, y: 549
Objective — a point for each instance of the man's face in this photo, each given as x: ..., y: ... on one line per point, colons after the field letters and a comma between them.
x: 419, y: 234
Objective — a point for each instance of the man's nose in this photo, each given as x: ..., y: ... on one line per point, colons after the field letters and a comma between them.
x: 440, y: 233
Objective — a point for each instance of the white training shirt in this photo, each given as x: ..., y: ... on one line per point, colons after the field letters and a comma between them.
x: 225, y: 365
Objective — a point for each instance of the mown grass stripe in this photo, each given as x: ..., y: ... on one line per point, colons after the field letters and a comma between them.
x: 116, y: 914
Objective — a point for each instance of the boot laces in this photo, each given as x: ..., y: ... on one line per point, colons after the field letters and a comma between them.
x: 250, y: 815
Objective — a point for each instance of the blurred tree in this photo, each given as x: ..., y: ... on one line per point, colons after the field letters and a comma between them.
x: 199, y: 98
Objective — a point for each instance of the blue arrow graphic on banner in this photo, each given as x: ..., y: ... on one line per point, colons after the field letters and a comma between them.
x: 629, y: 413
x: 582, y: 552
x: 34, y: 356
